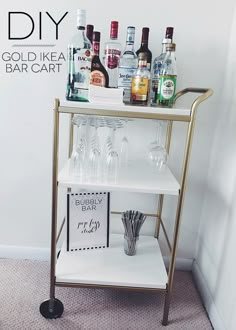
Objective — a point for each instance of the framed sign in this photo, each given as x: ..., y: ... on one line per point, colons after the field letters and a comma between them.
x: 88, y: 216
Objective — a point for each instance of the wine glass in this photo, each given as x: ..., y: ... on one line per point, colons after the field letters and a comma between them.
x: 124, y: 150
x: 157, y: 153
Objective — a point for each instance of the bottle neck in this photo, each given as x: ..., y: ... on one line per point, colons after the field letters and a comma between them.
x: 129, y: 47
x: 96, y: 48
x: 164, y: 43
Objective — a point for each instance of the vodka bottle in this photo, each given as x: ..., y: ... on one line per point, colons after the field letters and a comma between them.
x: 140, y: 83
x: 157, y: 65
x: 128, y: 65
x: 144, y: 50
x: 89, y: 32
x: 112, y: 55
x: 79, y: 62
x: 167, y: 79
x: 99, y: 75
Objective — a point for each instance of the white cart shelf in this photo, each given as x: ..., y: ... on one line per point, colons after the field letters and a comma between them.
x: 111, y: 267
x: 131, y: 180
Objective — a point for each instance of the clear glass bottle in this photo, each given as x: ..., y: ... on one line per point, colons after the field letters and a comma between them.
x: 144, y: 50
x: 168, y: 77
x: 99, y: 75
x: 140, y: 83
x: 112, y: 55
x: 128, y: 64
x: 157, y: 65
x: 79, y: 62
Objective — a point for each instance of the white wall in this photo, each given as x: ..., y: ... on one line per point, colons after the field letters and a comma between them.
x: 201, y: 34
x: 216, y: 246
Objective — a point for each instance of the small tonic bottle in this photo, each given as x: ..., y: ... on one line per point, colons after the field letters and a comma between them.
x: 99, y: 75
x: 167, y: 79
x: 143, y: 49
x: 128, y: 65
x: 140, y: 83
x: 89, y: 32
x: 112, y: 55
x: 79, y: 66
x: 157, y: 65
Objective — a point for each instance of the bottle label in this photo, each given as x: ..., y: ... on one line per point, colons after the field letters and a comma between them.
x: 139, y: 89
x: 166, y: 88
x: 112, y: 58
x: 82, y: 68
x: 124, y: 81
x: 97, y: 78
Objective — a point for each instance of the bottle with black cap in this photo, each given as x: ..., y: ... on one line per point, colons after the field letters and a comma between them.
x: 143, y: 49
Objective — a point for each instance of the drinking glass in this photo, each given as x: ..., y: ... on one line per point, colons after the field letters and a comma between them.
x: 157, y: 153
x: 124, y: 150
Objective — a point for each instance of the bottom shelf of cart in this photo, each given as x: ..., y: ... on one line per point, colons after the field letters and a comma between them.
x: 112, y: 267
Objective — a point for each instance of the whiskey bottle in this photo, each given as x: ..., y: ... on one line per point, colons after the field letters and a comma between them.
x: 89, y: 32
x: 79, y: 66
x: 112, y: 55
x: 167, y: 79
x: 128, y: 65
x: 157, y: 65
x: 143, y: 49
x: 140, y: 83
x: 99, y: 75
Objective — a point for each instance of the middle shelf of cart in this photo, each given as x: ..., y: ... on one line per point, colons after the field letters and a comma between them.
x: 139, y: 178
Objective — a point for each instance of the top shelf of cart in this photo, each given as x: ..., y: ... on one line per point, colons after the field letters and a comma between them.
x: 129, y: 111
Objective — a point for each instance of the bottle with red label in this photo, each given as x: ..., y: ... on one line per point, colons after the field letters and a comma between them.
x: 99, y: 75
x: 112, y: 55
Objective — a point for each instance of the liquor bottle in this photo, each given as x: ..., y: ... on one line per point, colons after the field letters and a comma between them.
x: 128, y: 64
x: 140, y: 83
x: 89, y: 32
x: 112, y: 55
x: 167, y: 79
x: 99, y: 75
x: 144, y: 48
x: 79, y: 66
x: 157, y: 65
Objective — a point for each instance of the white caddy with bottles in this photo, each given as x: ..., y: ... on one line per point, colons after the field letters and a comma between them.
x: 111, y: 267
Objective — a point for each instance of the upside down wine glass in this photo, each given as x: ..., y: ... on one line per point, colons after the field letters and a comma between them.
x: 157, y: 153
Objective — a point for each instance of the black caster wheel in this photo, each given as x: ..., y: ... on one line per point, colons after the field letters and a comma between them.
x: 58, y: 254
x: 57, y: 311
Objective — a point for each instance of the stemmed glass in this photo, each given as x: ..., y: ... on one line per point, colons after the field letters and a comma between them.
x: 157, y: 153
x: 77, y: 158
x: 95, y: 153
x: 124, y: 150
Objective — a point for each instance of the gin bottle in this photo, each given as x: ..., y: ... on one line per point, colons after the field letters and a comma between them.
x: 157, y: 65
x: 167, y: 79
x: 112, y: 55
x: 79, y: 66
x: 128, y: 65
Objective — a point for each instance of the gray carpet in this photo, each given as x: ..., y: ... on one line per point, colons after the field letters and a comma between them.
x: 25, y: 284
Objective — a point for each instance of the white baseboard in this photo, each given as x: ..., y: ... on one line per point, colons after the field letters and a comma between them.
x: 21, y: 252
x: 180, y: 263
x: 207, y: 298
x: 33, y: 253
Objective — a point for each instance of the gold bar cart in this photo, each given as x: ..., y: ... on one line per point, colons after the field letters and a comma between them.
x: 53, y: 308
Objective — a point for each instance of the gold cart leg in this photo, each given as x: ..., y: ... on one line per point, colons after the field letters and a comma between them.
x: 159, y: 212
x: 54, y: 205
x: 161, y: 197
x: 178, y: 219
